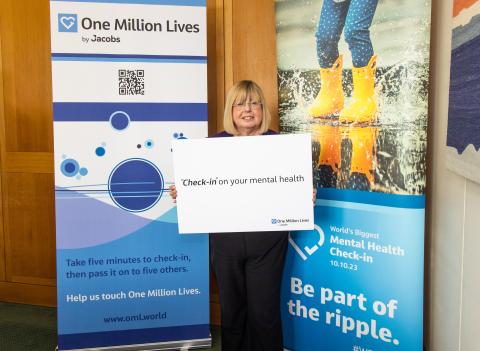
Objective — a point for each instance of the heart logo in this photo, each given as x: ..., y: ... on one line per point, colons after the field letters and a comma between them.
x: 68, y: 21
x: 308, y: 250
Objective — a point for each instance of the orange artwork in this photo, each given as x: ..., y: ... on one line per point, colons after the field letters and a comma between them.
x: 459, y: 5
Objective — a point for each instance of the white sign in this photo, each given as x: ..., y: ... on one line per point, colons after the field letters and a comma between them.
x: 239, y: 184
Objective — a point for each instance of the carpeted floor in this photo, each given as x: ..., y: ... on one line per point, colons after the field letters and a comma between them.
x: 34, y: 328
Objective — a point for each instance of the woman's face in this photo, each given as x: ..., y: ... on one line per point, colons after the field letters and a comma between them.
x: 247, y: 116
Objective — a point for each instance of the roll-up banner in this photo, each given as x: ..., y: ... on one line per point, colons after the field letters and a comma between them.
x: 128, y: 78
x: 354, y: 73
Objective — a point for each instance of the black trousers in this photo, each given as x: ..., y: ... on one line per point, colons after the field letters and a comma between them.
x: 249, y: 267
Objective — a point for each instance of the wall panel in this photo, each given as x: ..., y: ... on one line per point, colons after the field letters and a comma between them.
x: 28, y: 293
x: 27, y: 76
x: 26, y: 154
x: 446, y: 202
x: 2, y: 157
x: 30, y: 244
x: 470, y: 305
x: 253, y: 48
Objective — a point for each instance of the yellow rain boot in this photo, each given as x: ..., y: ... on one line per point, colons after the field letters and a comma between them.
x: 328, y: 165
x: 329, y: 100
x: 363, y: 158
x: 330, y: 139
x: 363, y: 107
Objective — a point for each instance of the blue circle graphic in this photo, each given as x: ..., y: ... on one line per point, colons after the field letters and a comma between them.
x: 69, y: 167
x: 149, y: 143
x: 100, y: 151
x: 135, y: 185
x: 83, y: 171
x: 119, y: 120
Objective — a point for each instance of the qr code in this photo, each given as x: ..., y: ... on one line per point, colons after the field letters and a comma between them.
x: 131, y: 82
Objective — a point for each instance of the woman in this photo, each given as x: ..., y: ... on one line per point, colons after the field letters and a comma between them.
x: 248, y: 266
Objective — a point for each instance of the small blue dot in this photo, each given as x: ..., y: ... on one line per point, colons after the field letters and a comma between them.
x: 83, y: 171
x: 149, y: 143
x: 100, y: 151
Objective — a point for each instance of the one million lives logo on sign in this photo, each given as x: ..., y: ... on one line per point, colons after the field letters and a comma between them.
x: 67, y: 22
x: 71, y: 23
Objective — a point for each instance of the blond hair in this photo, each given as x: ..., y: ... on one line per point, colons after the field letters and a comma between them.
x: 238, y: 94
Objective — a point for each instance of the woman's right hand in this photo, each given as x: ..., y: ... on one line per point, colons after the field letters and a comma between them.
x: 173, y: 193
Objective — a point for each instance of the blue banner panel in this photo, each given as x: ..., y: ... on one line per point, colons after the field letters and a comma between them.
x: 133, y: 337
x: 128, y: 58
x: 354, y: 282
x: 104, y: 111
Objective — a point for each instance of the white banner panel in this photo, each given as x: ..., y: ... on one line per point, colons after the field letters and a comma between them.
x: 128, y: 76
x: 114, y: 28
x: 96, y: 81
x: 244, y: 184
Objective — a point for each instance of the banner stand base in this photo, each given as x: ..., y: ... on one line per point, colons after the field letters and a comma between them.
x: 170, y: 345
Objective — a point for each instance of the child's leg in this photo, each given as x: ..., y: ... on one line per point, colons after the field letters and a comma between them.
x: 357, y: 30
x: 363, y: 107
x: 329, y: 101
x: 330, y: 26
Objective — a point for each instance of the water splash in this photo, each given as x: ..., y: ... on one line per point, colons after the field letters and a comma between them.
x: 402, y: 93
